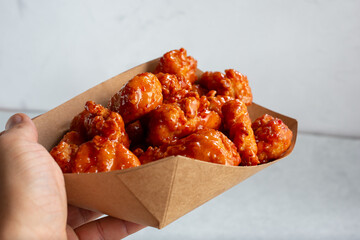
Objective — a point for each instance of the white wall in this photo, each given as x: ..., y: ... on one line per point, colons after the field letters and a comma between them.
x: 302, y: 57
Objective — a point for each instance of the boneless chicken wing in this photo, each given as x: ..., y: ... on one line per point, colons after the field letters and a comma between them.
x: 217, y: 101
x: 97, y: 120
x: 237, y: 122
x: 232, y: 84
x: 207, y: 145
x: 65, y: 151
x: 138, y: 97
x: 172, y: 121
x: 199, y: 89
x: 96, y: 142
x: 98, y: 155
x: 273, y: 137
x: 177, y: 62
x: 102, y: 155
x: 174, y: 87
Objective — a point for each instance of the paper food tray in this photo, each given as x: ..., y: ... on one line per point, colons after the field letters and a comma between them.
x: 153, y: 194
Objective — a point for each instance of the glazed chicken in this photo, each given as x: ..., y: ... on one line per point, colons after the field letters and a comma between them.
x: 174, y: 87
x: 102, y: 155
x: 98, y: 155
x: 237, y: 122
x: 273, y: 137
x: 177, y: 62
x: 207, y: 145
x: 199, y: 89
x: 65, y: 151
x: 217, y: 101
x: 96, y: 142
x: 232, y: 84
x: 172, y: 121
x: 97, y: 120
x: 139, y: 96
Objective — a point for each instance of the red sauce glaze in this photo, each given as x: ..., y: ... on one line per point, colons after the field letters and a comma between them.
x: 102, y: 155
x: 96, y: 142
x: 174, y: 87
x: 237, y: 122
x: 139, y: 96
x: 172, y: 121
x: 177, y: 62
x: 207, y: 145
x: 97, y: 120
x: 232, y: 84
x: 273, y: 137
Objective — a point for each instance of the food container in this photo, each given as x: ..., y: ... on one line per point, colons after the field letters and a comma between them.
x: 153, y: 194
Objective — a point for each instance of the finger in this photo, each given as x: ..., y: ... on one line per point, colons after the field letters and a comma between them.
x: 22, y: 127
x: 107, y: 228
x: 78, y: 216
x: 70, y: 233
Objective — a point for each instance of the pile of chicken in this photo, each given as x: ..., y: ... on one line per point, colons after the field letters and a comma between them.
x: 171, y: 112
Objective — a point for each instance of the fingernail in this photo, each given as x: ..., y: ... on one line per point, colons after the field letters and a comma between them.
x: 14, y: 120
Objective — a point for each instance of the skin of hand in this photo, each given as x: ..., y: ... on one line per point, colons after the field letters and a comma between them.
x: 33, y: 201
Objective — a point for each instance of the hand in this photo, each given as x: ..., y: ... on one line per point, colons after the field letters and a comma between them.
x: 33, y: 202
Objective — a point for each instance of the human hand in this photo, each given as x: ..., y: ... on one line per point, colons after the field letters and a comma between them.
x: 33, y: 201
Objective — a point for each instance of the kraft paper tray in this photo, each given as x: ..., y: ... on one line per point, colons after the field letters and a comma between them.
x: 154, y: 194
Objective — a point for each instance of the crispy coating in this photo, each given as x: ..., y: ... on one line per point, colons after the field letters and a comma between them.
x: 66, y: 150
x: 207, y: 145
x: 172, y: 121
x: 217, y: 101
x: 237, y: 122
x: 199, y: 89
x: 138, y: 97
x: 177, y: 62
x: 273, y: 137
x: 96, y: 142
x: 97, y: 120
x: 102, y: 155
x: 74, y: 155
x: 174, y: 87
x: 168, y: 123
x: 232, y: 84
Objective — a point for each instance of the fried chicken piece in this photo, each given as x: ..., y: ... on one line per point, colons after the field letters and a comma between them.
x: 138, y: 97
x: 174, y: 87
x: 177, y: 62
x: 199, y: 89
x: 176, y: 120
x: 102, y: 155
x: 237, y: 122
x: 172, y: 121
x: 208, y: 145
x: 273, y: 137
x: 232, y: 84
x: 66, y: 150
x: 217, y: 101
x: 97, y: 120
x: 168, y: 123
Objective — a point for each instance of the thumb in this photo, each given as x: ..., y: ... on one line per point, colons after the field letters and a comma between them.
x: 20, y: 126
